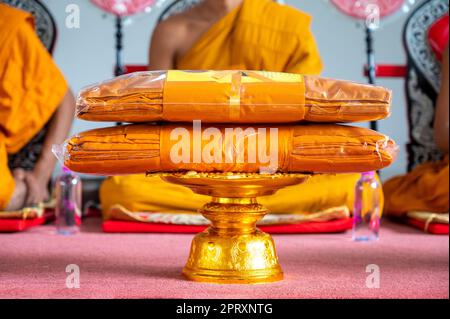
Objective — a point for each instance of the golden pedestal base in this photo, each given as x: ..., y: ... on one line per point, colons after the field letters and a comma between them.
x: 232, y: 249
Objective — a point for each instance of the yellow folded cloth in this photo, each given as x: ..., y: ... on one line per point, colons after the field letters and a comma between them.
x: 24, y: 213
x: 429, y: 217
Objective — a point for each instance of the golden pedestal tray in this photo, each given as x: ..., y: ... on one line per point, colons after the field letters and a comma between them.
x: 232, y: 249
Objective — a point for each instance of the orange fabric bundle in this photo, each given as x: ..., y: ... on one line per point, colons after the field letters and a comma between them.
x: 140, y: 148
x: 231, y: 97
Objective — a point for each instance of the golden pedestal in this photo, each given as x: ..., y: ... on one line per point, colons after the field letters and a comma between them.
x: 232, y: 249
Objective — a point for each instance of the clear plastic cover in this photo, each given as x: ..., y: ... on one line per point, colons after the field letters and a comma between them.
x: 143, y: 148
x: 231, y: 96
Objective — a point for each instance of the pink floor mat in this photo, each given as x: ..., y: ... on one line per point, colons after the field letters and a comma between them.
x: 411, y: 264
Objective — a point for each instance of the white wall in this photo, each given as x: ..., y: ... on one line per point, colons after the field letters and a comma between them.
x: 86, y: 55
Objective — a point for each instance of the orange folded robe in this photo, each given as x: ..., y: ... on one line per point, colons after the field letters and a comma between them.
x: 424, y: 189
x: 140, y: 148
x: 31, y: 87
x: 231, y: 97
x: 257, y: 35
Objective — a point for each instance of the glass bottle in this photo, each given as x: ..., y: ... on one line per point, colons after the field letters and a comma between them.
x: 68, y: 203
x: 366, y: 212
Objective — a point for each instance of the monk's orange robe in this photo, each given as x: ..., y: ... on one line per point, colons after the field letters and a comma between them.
x: 31, y: 88
x: 257, y: 35
x: 424, y: 189
x: 139, y: 193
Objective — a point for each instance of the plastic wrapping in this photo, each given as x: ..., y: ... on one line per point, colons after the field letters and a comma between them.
x: 231, y: 97
x: 143, y: 148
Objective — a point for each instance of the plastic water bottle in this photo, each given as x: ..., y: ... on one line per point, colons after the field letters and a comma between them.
x: 366, y: 212
x: 68, y: 203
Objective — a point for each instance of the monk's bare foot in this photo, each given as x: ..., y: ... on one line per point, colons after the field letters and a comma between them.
x: 20, y: 191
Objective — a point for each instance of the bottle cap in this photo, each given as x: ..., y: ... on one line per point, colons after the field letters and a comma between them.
x: 370, y: 174
x: 66, y: 170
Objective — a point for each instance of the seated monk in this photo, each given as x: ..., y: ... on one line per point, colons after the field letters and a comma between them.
x: 232, y: 34
x: 423, y: 193
x: 36, y: 111
x: 236, y: 34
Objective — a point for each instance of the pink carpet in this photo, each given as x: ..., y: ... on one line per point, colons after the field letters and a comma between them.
x: 32, y: 265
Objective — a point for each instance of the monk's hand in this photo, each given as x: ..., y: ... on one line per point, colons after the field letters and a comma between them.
x: 37, y: 188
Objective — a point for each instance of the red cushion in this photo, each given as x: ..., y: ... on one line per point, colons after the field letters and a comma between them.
x: 130, y: 68
x: 19, y: 224
x: 334, y: 226
x: 16, y: 225
x: 433, y: 228
x: 438, y: 36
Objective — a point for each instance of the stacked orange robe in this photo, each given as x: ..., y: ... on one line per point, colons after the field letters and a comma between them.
x: 258, y: 35
x: 31, y: 88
